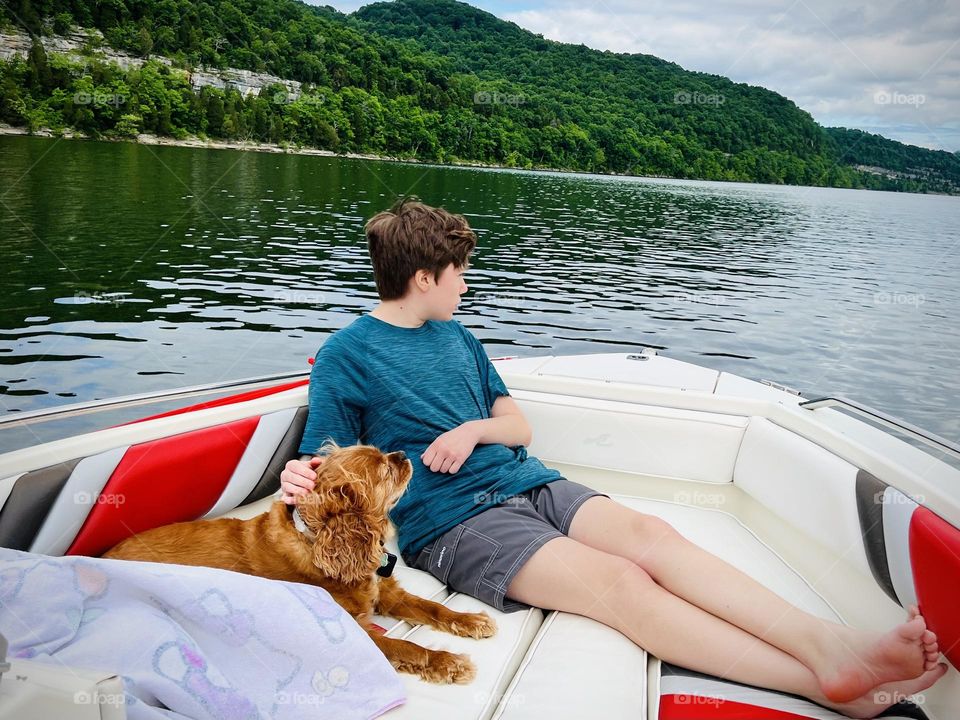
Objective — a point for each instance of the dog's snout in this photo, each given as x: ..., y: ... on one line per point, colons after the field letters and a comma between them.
x: 400, y: 455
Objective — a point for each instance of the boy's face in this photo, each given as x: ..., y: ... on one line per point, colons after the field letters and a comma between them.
x: 443, y: 298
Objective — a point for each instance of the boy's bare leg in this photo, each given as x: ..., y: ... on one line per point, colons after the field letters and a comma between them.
x: 847, y: 662
x: 567, y: 575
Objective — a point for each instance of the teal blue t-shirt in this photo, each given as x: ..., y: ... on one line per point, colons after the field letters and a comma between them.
x: 401, y: 388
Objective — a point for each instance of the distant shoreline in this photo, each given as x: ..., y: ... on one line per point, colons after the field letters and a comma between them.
x: 251, y: 146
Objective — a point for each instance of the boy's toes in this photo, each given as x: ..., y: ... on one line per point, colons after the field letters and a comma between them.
x: 913, y: 630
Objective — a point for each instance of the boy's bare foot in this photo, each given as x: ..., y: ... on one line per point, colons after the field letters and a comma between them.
x: 868, y: 660
x: 882, y: 697
x: 931, y: 650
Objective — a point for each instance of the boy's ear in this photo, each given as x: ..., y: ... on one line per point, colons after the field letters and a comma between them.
x: 347, y: 548
x: 421, y: 279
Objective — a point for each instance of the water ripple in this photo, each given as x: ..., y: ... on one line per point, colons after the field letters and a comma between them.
x: 118, y: 281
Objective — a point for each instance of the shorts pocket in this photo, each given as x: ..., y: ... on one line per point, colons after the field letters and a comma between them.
x: 471, y: 567
x: 439, y: 560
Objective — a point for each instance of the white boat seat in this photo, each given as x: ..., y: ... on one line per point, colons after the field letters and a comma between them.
x: 496, y: 658
x: 796, y: 489
x: 576, y: 667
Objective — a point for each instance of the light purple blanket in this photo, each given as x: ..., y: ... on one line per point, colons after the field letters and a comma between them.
x: 194, y: 642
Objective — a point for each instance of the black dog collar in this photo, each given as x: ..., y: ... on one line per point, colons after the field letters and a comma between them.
x: 387, y: 563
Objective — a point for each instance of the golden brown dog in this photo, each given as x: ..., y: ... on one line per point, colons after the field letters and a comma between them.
x: 340, y: 549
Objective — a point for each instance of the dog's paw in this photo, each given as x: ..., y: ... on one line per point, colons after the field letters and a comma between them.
x: 445, y: 667
x: 473, y: 625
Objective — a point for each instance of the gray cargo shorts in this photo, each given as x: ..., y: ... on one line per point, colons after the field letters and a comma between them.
x: 481, y: 555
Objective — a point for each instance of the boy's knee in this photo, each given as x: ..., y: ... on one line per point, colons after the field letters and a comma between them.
x: 652, y: 529
x: 625, y: 577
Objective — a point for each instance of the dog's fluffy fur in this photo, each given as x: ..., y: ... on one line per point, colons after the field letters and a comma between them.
x: 347, y: 512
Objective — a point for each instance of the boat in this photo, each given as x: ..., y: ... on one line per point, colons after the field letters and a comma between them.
x: 843, y: 510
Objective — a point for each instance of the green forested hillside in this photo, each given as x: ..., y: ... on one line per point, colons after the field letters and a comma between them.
x: 933, y: 168
x: 648, y: 114
x: 621, y: 98
x: 436, y: 80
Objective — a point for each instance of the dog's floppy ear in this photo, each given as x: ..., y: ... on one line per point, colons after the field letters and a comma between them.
x: 347, y: 547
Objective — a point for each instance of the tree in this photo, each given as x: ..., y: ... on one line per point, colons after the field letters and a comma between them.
x: 40, y: 78
x: 145, y: 42
x: 214, y: 110
x: 129, y: 125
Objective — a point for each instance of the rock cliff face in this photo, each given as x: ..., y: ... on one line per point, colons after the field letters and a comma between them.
x: 83, y: 44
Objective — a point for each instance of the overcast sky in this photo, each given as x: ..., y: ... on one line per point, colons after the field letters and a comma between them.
x: 888, y: 67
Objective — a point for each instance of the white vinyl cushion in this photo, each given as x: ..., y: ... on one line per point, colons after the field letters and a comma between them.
x: 806, y: 485
x: 727, y: 538
x: 578, y: 668
x: 664, y: 442
x: 571, y: 667
x: 496, y: 658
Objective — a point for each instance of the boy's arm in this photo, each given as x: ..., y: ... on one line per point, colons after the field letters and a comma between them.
x: 506, y: 425
x: 336, y: 394
x: 336, y: 399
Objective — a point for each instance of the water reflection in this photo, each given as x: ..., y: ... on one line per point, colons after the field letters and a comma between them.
x: 132, y: 268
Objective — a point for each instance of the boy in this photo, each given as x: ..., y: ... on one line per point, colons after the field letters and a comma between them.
x: 487, y: 519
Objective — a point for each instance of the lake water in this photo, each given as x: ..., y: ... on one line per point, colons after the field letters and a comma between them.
x: 131, y: 268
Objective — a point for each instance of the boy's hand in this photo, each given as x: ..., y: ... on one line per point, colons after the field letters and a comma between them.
x: 298, y: 478
x: 450, y: 451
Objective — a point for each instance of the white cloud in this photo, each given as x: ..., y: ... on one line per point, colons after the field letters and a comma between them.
x: 887, y: 67
x: 344, y: 6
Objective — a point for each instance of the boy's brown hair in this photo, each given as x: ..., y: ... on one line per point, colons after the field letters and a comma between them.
x: 412, y: 236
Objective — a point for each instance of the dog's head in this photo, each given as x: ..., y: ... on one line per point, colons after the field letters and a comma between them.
x: 347, y: 510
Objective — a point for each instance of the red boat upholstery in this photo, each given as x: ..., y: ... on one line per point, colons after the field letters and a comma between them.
x: 686, y: 695
x: 193, y: 467
x: 915, y: 557
x: 87, y: 505
x: 231, y: 399
x: 935, y: 558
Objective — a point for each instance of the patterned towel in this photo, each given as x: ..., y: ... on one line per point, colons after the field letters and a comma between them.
x: 193, y: 642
